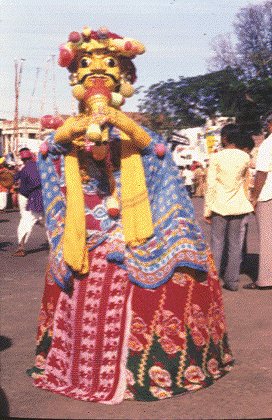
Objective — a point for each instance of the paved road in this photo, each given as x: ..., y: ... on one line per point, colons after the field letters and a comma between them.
x: 245, y: 393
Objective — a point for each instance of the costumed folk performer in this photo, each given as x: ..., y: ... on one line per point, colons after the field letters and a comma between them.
x: 132, y: 306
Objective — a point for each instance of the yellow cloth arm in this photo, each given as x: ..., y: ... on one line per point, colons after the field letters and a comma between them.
x: 136, y: 211
x: 63, y: 133
x: 74, y: 243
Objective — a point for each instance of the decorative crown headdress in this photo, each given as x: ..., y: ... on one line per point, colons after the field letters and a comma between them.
x: 89, y: 40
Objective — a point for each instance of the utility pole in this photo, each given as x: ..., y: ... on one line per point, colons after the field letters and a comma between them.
x: 33, y: 92
x: 18, y: 77
x: 54, y: 95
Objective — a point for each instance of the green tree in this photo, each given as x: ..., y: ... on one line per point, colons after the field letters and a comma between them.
x: 251, y: 60
x: 238, y: 83
x: 187, y: 102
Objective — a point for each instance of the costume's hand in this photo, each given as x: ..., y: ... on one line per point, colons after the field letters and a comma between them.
x: 80, y: 125
x: 78, y: 140
x: 63, y: 134
x: 72, y: 128
x: 136, y: 133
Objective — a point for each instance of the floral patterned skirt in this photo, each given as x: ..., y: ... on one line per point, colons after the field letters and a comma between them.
x: 110, y: 340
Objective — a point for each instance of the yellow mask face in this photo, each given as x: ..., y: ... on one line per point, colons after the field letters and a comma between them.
x: 101, y: 65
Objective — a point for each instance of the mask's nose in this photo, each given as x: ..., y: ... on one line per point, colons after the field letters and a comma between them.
x: 98, y: 66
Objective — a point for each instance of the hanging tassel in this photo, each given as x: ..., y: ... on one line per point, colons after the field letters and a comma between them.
x: 126, y: 89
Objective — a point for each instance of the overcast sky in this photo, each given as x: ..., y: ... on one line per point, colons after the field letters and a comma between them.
x: 177, y: 35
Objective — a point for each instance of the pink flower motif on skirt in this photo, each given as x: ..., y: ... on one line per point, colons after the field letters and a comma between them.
x: 218, y: 318
x: 217, y: 323
x: 134, y: 344
x: 128, y: 395
x: 130, y: 377
x: 40, y: 361
x: 168, y: 325
x: 168, y: 345
x: 138, y: 325
x: 194, y: 374
x: 212, y: 367
x: 160, y: 376
x: 227, y: 358
x: 193, y: 387
x: 197, y: 317
x: 180, y: 278
x: 197, y: 337
x: 160, y: 393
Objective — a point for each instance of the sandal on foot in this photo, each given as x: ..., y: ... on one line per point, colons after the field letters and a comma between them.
x: 254, y: 286
x: 34, y: 372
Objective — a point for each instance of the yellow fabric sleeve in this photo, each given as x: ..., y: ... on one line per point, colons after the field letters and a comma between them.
x: 136, y: 211
x: 74, y: 245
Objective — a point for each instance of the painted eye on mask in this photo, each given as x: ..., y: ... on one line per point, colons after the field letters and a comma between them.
x: 111, y: 62
x: 85, y: 62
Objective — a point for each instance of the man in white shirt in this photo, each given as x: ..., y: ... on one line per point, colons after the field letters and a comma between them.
x: 262, y: 202
x: 226, y: 203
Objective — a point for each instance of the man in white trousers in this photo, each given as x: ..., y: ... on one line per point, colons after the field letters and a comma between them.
x: 30, y: 199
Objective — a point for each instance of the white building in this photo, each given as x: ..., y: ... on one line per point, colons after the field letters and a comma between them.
x: 189, y: 145
x: 197, y: 143
x: 29, y: 133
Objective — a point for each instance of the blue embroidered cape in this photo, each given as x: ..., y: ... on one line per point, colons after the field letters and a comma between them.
x: 177, y: 240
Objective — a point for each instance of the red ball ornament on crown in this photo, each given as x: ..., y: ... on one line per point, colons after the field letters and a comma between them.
x: 47, y: 121
x: 58, y: 121
x: 51, y: 122
x: 74, y: 37
x: 66, y: 56
x: 128, y: 46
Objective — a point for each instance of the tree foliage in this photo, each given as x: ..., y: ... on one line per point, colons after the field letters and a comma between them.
x: 251, y: 60
x: 251, y: 55
x: 189, y: 101
x: 239, y: 83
